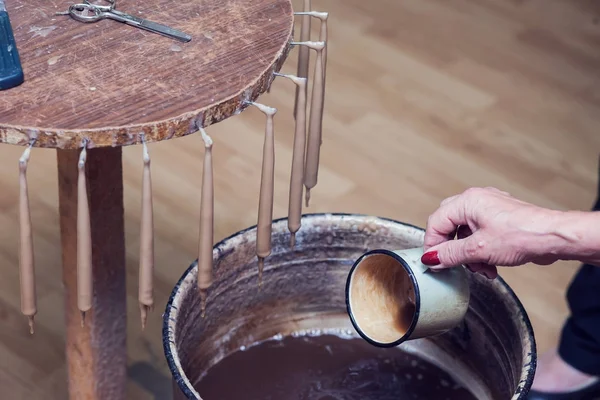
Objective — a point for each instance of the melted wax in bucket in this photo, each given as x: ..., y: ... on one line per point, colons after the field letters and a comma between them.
x: 326, y: 367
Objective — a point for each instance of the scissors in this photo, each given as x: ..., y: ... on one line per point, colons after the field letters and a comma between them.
x: 88, y: 12
x: 108, y: 8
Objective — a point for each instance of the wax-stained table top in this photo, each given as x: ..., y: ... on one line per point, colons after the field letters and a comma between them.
x: 109, y: 82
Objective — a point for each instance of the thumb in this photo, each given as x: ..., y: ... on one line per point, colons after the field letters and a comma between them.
x: 454, y: 252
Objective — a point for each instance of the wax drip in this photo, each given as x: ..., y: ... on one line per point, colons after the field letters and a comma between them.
x: 297, y: 171
x: 261, y: 268
x: 26, y: 259
x: 313, y: 150
x: 265, y: 204
x: 205, y: 246
x: 146, y: 269
x: 303, y: 53
x: 203, y: 296
x: 84, y: 241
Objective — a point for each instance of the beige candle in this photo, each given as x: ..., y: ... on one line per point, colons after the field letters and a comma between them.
x: 26, y: 260
x: 303, y: 52
x: 323, y: 16
x: 265, y: 205
x: 205, y: 248
x: 146, y: 273
x: 313, y: 149
x: 323, y: 38
x: 84, y: 241
x: 297, y: 174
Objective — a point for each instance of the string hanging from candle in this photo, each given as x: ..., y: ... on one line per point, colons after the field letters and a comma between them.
x: 26, y: 259
x: 313, y: 148
x: 303, y: 53
x: 146, y: 268
x: 267, y: 187
x: 84, y: 240
x: 205, y: 247
x: 297, y: 173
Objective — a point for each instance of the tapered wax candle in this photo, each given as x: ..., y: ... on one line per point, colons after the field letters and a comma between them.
x: 323, y: 16
x: 265, y: 205
x: 146, y: 282
x: 26, y: 260
x: 323, y: 38
x: 205, y: 249
x: 297, y: 174
x: 313, y: 150
x: 303, y: 52
x: 84, y: 241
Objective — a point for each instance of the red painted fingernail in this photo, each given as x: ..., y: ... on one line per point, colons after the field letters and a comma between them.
x: 430, y: 258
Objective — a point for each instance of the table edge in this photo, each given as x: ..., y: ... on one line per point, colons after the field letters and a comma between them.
x: 155, y: 131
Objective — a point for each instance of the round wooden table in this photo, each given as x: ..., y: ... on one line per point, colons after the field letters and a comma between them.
x: 113, y: 84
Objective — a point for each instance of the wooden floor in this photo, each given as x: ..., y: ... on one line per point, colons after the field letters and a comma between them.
x: 425, y: 98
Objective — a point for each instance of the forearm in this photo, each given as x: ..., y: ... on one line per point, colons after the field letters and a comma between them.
x: 576, y: 236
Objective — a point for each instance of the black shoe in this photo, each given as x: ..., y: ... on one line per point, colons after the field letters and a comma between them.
x: 591, y: 392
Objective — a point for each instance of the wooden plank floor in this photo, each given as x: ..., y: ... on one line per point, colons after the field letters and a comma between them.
x: 429, y: 96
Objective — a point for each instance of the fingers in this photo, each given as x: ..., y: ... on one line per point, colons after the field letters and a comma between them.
x: 433, y: 237
x: 456, y: 252
x: 452, y: 219
x: 489, y: 271
x: 453, y: 212
x: 459, y: 252
x: 444, y: 222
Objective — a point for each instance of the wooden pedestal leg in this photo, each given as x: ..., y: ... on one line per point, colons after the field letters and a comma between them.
x: 96, y: 353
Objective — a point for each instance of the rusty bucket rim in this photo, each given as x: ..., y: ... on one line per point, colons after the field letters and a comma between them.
x: 182, y: 381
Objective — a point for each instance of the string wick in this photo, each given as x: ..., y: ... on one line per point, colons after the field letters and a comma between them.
x: 316, y: 14
x: 208, y: 142
x: 296, y: 79
x: 146, y: 154
x: 265, y: 109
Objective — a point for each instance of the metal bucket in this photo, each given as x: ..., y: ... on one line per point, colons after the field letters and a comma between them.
x: 492, y: 351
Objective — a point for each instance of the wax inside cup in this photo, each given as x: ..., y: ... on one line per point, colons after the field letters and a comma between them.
x: 382, y: 298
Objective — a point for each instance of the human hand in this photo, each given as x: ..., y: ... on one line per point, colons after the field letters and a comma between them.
x: 492, y: 228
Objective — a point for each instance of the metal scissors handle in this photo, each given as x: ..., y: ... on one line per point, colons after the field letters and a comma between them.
x: 87, y: 12
x: 110, y: 7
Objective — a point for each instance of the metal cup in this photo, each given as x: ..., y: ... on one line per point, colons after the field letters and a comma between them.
x: 392, y: 297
